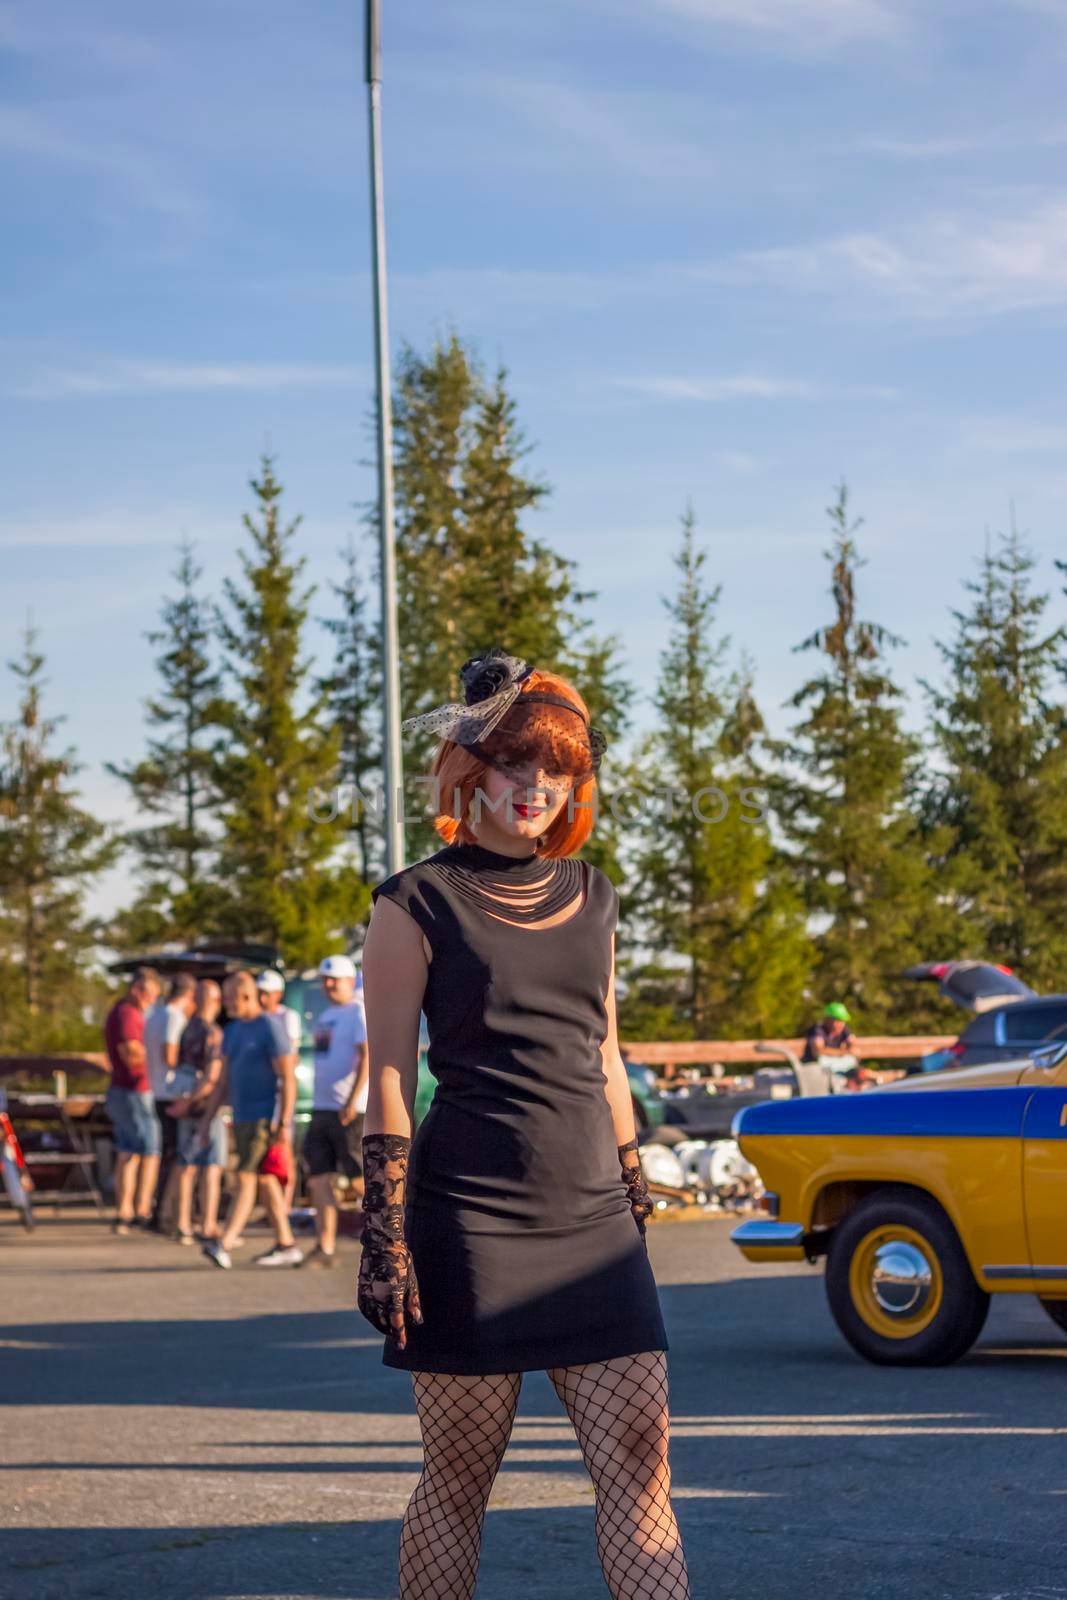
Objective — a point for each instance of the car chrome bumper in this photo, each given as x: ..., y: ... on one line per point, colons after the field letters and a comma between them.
x: 763, y: 1240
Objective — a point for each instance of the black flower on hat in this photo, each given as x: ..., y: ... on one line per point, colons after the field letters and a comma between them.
x: 485, y: 674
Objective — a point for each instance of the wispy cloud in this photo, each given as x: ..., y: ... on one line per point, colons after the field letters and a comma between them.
x: 943, y: 266
x: 637, y: 132
x: 160, y: 377
x: 741, y: 386
x: 811, y: 22
x: 24, y: 34
x: 1009, y: 435
x: 976, y: 142
x: 24, y: 132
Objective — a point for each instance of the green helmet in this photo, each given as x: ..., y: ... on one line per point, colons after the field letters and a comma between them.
x: 836, y: 1010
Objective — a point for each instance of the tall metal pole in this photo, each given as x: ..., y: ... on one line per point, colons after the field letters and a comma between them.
x: 393, y: 758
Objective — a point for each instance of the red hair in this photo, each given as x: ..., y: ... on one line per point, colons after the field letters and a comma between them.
x: 462, y: 771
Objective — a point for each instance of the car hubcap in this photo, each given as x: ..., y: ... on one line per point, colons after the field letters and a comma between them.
x: 901, y: 1280
x: 896, y: 1283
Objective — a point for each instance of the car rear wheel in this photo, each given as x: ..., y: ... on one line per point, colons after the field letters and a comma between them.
x: 1057, y: 1310
x: 899, y: 1284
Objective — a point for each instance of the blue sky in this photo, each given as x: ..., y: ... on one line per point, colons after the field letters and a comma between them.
x: 730, y: 250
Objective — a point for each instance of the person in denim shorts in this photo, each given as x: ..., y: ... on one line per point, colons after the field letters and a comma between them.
x: 130, y: 1105
x: 202, y: 1141
x: 257, y: 1057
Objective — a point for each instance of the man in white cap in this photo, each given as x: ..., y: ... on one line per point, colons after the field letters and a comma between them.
x: 333, y: 1142
x: 271, y: 987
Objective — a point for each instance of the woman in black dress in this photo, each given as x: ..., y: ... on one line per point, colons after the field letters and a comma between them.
x: 508, y: 1235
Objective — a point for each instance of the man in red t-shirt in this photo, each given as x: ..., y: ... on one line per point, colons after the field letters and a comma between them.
x: 130, y: 1104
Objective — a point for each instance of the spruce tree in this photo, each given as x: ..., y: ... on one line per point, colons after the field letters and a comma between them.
x: 999, y: 734
x: 849, y: 810
x: 725, y: 935
x: 174, y: 782
x: 470, y: 574
x: 51, y: 850
x: 353, y: 690
x: 277, y: 761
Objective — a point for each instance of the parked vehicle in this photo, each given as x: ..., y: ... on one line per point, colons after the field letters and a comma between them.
x: 1009, y: 1016
x: 926, y: 1196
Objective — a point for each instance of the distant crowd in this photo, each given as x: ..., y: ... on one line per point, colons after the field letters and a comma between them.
x: 177, y: 1061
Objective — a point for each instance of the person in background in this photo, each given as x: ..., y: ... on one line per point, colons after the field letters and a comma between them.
x: 831, y: 1040
x: 831, y: 1035
x: 271, y: 987
x: 163, y: 1029
x: 333, y: 1141
x: 130, y: 1105
x: 256, y: 1057
x: 202, y: 1142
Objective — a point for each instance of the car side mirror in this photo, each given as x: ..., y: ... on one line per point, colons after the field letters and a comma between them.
x: 1048, y: 1056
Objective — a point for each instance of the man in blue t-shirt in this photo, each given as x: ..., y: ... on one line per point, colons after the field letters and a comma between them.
x: 256, y: 1057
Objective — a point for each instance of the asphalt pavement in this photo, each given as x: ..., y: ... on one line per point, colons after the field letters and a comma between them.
x: 169, y: 1430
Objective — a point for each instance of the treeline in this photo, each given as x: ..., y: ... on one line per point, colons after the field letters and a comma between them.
x: 760, y: 876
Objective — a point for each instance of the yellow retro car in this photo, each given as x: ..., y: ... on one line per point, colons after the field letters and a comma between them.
x: 925, y: 1196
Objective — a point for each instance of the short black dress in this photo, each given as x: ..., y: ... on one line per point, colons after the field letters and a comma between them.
x: 525, y: 1249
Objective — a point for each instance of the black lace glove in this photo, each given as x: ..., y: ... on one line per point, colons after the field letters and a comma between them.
x: 387, y: 1294
x: 641, y: 1202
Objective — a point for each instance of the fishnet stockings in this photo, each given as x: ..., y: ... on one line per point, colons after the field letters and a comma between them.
x: 619, y: 1412
x: 465, y: 1424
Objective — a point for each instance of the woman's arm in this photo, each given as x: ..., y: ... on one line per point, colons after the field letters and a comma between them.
x: 616, y: 1083
x: 394, y: 982
x: 617, y: 1089
x: 395, y: 970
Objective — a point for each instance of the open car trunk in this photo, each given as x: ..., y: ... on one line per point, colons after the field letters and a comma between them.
x: 974, y: 985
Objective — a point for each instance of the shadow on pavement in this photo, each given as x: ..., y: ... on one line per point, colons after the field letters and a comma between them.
x: 330, y: 1361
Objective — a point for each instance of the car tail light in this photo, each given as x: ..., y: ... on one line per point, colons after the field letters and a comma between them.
x: 1005, y: 969
x: 939, y: 969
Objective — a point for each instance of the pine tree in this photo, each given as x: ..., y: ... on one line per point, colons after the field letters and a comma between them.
x: 51, y: 850
x: 174, y: 782
x: 353, y: 690
x: 704, y: 894
x: 277, y: 761
x: 469, y: 573
x: 849, y: 813
x: 999, y: 732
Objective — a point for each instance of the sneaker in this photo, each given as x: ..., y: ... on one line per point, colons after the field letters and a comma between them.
x: 320, y: 1258
x: 216, y: 1254
x: 289, y: 1255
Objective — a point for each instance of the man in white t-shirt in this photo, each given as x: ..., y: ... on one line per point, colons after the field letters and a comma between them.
x: 271, y: 986
x: 334, y: 1140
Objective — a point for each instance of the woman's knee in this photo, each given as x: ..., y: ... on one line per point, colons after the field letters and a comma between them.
x: 459, y: 1484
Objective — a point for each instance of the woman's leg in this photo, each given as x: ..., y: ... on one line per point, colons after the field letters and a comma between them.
x: 210, y: 1188
x: 465, y: 1423
x: 186, y: 1185
x: 619, y: 1412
